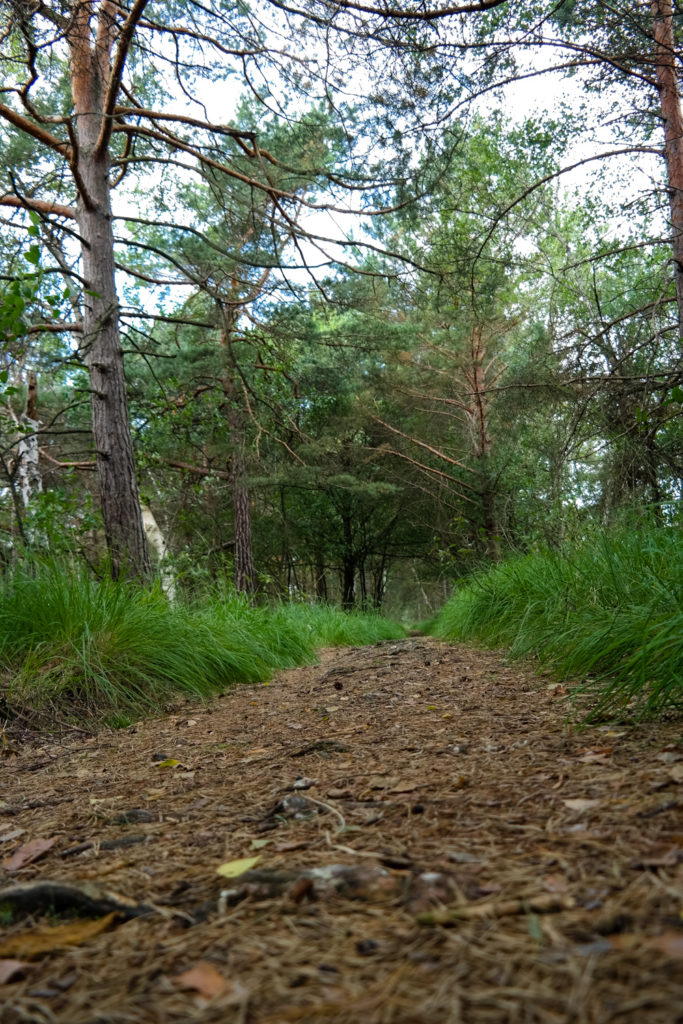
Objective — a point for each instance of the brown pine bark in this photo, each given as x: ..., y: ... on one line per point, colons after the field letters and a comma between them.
x: 91, y: 78
x: 477, y: 414
x: 245, y: 570
x: 244, y: 577
x: 670, y: 101
x: 349, y: 562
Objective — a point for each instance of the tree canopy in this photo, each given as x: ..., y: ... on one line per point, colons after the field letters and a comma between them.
x: 303, y: 296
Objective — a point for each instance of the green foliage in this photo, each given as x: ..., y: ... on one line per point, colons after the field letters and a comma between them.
x: 92, y: 650
x: 63, y: 520
x: 328, y: 627
x: 610, y: 609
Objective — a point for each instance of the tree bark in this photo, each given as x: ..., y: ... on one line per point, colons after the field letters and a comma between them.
x: 157, y: 542
x: 28, y: 453
x: 119, y: 499
x: 245, y: 569
x: 481, y: 442
x: 320, y: 576
x: 348, y: 575
x: 670, y: 101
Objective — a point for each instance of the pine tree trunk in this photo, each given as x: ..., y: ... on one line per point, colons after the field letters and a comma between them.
x: 348, y: 579
x: 245, y: 569
x: 476, y: 377
x: 670, y: 100
x: 119, y: 497
x: 320, y: 577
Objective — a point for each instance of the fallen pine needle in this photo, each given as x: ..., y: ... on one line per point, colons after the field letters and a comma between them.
x: 546, y: 904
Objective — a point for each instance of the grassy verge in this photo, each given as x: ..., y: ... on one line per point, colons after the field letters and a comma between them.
x: 609, y: 611
x: 79, y: 650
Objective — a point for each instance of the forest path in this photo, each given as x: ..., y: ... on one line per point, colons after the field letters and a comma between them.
x: 434, y: 776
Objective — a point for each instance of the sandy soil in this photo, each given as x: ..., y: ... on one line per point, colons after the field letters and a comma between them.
x: 435, y: 845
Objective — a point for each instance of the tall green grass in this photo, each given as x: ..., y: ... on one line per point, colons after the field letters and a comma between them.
x: 609, y: 611
x: 80, y: 649
x: 328, y: 627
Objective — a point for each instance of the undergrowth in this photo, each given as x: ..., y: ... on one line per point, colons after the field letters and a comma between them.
x: 609, y: 612
x: 75, y: 649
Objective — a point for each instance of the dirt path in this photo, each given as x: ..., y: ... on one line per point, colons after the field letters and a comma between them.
x: 434, y: 777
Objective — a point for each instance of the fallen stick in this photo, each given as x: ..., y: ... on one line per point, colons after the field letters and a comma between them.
x: 545, y: 904
x: 106, y: 844
x: 84, y: 898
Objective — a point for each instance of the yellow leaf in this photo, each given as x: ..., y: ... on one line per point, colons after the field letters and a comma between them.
x: 235, y: 868
x: 46, y: 940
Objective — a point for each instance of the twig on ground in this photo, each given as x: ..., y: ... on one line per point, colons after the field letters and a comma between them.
x: 545, y: 904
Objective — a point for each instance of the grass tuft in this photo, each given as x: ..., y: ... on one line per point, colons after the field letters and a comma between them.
x: 609, y: 611
x: 81, y: 650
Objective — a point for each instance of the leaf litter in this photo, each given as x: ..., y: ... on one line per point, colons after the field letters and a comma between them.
x: 460, y: 855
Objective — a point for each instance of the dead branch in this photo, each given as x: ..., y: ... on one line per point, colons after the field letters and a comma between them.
x: 545, y: 904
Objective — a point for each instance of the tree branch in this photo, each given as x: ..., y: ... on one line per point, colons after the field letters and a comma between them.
x: 429, y: 448
x: 39, y: 205
x: 198, y: 470
x: 114, y: 84
x: 221, y: 129
x: 35, y: 131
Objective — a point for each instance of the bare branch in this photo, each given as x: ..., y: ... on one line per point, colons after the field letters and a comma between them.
x: 35, y: 131
x: 429, y: 448
x: 198, y: 470
x: 114, y: 84
x: 39, y: 205
x: 219, y: 129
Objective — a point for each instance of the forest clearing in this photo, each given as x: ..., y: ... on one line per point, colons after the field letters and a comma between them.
x: 444, y: 783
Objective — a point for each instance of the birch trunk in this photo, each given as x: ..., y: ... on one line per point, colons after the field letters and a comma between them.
x: 28, y: 453
x: 157, y: 542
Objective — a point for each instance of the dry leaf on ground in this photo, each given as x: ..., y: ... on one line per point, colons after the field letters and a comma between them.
x: 46, y: 940
x: 27, y: 853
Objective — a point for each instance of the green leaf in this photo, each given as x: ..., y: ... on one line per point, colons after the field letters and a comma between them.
x: 33, y: 255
